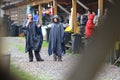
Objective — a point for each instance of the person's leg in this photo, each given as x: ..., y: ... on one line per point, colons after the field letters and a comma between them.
x: 54, y: 56
x: 88, y: 40
x: 60, y: 58
x: 37, y: 56
x: 30, y: 54
x: 59, y: 51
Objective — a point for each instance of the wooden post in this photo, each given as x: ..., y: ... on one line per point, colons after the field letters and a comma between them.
x: 74, y: 15
x: 100, y: 8
x: 40, y: 13
x: 5, y: 61
x: 55, y: 6
x: 19, y: 15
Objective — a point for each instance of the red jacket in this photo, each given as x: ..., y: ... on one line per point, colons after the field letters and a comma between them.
x: 89, y: 26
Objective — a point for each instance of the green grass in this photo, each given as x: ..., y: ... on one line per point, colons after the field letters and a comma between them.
x: 21, y: 75
x: 118, y: 64
x: 69, y: 52
x: 45, y: 44
x: 21, y: 48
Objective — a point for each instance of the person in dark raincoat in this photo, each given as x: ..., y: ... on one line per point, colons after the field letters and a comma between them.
x: 32, y: 35
x: 36, y: 18
x: 56, y: 39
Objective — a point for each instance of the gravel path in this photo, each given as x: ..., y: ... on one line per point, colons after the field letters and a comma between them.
x: 51, y: 70
x: 109, y: 72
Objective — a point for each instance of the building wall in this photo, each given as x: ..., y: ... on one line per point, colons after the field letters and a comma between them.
x: 18, y: 14
x: 14, y: 14
x: 1, y: 12
x: 22, y: 13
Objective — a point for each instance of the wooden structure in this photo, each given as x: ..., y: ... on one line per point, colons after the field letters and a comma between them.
x: 100, y: 7
x: 18, y: 10
x: 75, y: 26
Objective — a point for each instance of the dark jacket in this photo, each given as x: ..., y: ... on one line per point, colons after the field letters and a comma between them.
x: 56, y: 38
x: 84, y: 20
x: 32, y: 36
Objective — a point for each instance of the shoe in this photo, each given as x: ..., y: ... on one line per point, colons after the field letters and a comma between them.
x: 60, y: 58
x: 30, y: 60
x: 54, y: 57
x: 40, y: 60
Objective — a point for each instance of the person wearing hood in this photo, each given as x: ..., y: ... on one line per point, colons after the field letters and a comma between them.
x: 89, y: 28
x: 32, y: 35
x: 89, y: 25
x: 56, y: 39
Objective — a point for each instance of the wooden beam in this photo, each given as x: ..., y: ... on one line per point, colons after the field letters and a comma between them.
x: 40, y: 2
x: 61, y: 7
x: 64, y: 3
x: 100, y: 8
x: 21, y: 3
x: 81, y: 4
x: 40, y: 13
x: 74, y: 17
x: 33, y: 2
x: 55, y: 6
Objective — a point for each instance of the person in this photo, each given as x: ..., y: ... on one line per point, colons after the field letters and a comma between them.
x: 61, y: 19
x: 105, y: 15
x: 78, y: 18
x: 36, y: 16
x: 56, y: 39
x: 32, y: 35
x: 96, y: 19
x: 89, y: 26
x: 36, y: 19
x: 83, y: 22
